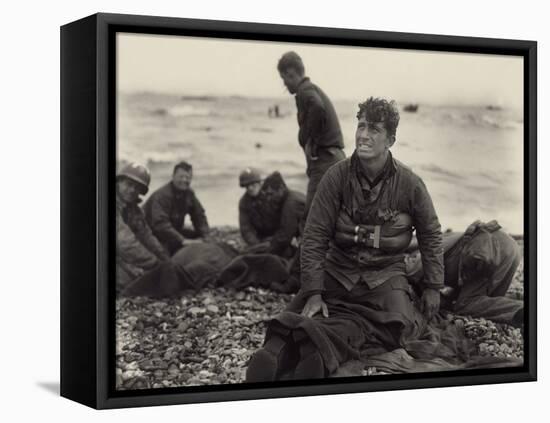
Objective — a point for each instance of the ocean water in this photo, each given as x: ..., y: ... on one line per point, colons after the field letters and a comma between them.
x: 470, y: 157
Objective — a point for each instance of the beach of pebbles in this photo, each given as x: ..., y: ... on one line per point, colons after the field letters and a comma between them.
x: 207, y: 337
x: 203, y: 338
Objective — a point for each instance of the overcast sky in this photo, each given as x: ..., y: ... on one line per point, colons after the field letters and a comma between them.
x: 204, y: 66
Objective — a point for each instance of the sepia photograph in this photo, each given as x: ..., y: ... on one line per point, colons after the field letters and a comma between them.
x: 294, y: 212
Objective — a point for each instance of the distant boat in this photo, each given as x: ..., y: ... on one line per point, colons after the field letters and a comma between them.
x: 197, y: 98
x: 159, y: 112
x: 412, y: 107
x: 492, y: 107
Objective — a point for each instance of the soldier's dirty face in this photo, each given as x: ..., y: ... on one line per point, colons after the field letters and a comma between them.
x: 253, y: 189
x: 182, y: 179
x: 372, y: 139
x: 291, y: 78
x: 128, y: 190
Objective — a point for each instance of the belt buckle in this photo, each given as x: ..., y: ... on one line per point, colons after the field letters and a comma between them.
x: 373, y: 235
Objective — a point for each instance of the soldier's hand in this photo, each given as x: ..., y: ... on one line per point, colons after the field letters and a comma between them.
x: 311, y: 151
x: 314, y: 305
x: 429, y: 305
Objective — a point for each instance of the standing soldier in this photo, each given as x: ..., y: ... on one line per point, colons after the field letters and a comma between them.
x: 319, y: 135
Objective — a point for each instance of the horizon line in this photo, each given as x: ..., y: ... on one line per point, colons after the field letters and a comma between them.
x: 264, y: 97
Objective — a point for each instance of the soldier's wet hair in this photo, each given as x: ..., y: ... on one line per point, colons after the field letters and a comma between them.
x: 380, y: 110
x: 183, y: 165
x: 291, y: 60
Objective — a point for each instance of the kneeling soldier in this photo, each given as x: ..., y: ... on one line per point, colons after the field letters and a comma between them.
x: 137, y: 249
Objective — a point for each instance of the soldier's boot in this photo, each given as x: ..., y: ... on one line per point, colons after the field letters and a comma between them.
x: 517, y: 320
x: 269, y: 361
x: 291, y: 286
x: 311, y: 364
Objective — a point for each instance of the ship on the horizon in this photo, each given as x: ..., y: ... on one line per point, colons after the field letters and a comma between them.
x: 411, y: 107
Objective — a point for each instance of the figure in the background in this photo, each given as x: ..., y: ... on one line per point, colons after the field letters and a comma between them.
x: 319, y: 134
x: 269, y: 213
x: 479, y: 268
x: 137, y: 249
x: 273, y: 111
x: 167, y: 208
x: 250, y: 179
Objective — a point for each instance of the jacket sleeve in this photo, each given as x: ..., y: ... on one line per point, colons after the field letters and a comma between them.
x: 319, y: 230
x: 248, y: 232
x: 150, y: 241
x: 198, y: 217
x: 428, y: 233
x: 291, y: 213
x: 160, y: 221
x: 129, y: 248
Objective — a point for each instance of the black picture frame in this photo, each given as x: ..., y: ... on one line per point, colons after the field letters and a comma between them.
x: 87, y: 198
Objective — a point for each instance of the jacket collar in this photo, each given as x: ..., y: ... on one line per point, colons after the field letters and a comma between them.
x: 304, y: 83
x: 389, y: 169
x: 177, y: 192
x: 121, y: 204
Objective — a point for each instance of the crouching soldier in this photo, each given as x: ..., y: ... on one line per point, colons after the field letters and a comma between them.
x: 250, y: 220
x: 480, y: 265
x: 137, y: 249
x: 354, y: 291
x: 168, y: 206
x: 269, y: 213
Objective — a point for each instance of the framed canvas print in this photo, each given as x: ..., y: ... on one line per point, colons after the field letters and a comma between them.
x: 257, y: 211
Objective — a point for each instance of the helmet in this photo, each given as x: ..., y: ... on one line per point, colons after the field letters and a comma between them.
x: 137, y: 173
x: 249, y: 176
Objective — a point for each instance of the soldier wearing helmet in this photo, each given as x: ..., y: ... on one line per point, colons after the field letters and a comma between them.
x: 137, y: 249
x: 250, y: 179
x: 269, y: 213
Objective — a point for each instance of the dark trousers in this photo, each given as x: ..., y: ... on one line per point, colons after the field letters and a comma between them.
x: 383, y: 317
x: 317, y: 168
x: 394, y: 296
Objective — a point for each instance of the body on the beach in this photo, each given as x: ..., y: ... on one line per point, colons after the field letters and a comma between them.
x: 480, y: 265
